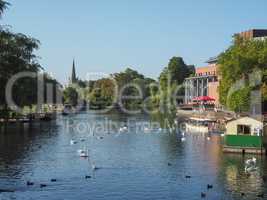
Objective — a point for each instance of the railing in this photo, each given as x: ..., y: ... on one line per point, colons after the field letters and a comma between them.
x: 243, y: 141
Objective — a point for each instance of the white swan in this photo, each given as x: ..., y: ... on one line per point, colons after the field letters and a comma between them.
x: 249, y: 169
x: 252, y: 161
x: 72, y: 142
x: 123, y: 129
x: 83, y: 153
x: 146, y: 130
x: 94, y: 167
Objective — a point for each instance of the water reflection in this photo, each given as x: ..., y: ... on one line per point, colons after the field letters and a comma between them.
x: 136, y: 164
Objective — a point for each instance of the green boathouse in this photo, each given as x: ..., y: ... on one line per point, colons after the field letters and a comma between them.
x: 244, y: 135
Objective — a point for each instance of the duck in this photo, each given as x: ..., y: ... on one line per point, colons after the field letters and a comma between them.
x: 208, y: 138
x: 29, y: 183
x: 183, y: 134
x: 183, y: 139
x: 87, y: 177
x: 209, y: 186
x: 53, y: 180
x: 187, y: 176
x: 42, y: 185
x: 203, y: 195
x: 222, y: 135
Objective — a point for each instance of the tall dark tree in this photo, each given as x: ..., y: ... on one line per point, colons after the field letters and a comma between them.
x: 17, y: 55
x: 175, y: 72
x: 3, y: 6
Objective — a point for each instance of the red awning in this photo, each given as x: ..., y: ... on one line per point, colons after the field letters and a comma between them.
x: 203, y: 98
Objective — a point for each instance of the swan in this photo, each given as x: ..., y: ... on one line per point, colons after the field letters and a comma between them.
x: 146, y: 129
x: 94, y: 167
x: 222, y: 135
x: 183, y: 139
x: 80, y: 151
x: 208, y: 138
x: 249, y: 169
x: 72, y: 142
x: 183, y: 134
x: 252, y: 161
x: 123, y: 129
x: 83, y: 153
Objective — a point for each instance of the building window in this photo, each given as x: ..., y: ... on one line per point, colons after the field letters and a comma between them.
x: 243, y: 130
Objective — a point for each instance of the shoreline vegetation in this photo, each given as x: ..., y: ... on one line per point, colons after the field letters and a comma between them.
x: 17, y: 54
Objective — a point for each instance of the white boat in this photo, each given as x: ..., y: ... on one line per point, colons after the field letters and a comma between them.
x: 198, y: 125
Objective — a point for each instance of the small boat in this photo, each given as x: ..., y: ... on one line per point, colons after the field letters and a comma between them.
x: 199, y: 125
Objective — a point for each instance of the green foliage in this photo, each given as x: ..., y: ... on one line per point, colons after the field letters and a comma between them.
x: 264, y: 86
x: 241, y: 59
x: 102, y: 93
x: 17, y: 55
x: 171, y: 81
x: 175, y: 73
x: 239, y: 101
x: 3, y: 6
x: 70, y: 96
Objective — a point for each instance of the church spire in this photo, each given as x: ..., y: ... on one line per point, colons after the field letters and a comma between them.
x: 73, y: 74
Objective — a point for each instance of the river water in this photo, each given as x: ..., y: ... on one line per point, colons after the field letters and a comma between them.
x: 134, y: 164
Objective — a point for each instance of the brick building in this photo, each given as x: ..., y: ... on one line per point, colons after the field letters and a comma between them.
x: 204, y: 83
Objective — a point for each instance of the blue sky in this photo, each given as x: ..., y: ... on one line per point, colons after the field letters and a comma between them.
x: 107, y: 36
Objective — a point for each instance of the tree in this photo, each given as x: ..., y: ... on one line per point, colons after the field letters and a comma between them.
x: 102, y: 94
x: 17, y: 55
x: 172, y: 78
x: 70, y: 96
x: 175, y: 72
x: 240, y: 60
x: 3, y: 6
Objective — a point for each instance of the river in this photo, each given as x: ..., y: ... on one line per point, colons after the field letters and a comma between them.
x: 133, y: 164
